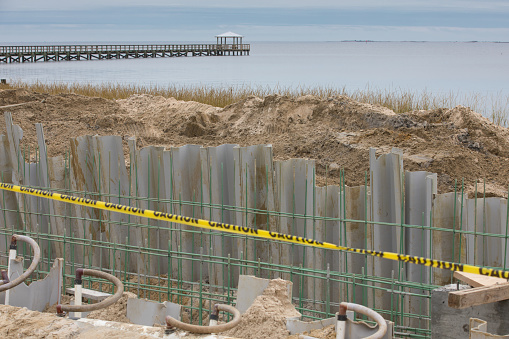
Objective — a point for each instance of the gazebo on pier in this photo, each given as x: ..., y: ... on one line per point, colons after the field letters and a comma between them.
x: 233, y: 46
x: 222, y: 39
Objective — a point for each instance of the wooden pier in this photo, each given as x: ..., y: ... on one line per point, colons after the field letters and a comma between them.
x: 13, y: 54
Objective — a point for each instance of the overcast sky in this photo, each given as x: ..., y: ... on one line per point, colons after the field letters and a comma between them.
x: 258, y: 20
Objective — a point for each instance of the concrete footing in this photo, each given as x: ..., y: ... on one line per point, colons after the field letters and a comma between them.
x: 451, y: 323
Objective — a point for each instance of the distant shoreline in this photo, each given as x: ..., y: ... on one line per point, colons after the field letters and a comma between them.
x: 45, y: 43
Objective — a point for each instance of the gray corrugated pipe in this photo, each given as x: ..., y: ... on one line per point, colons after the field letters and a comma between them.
x: 92, y: 307
x: 172, y: 322
x: 31, y: 268
x: 382, y: 325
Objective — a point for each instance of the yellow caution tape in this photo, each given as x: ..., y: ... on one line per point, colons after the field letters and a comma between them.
x: 217, y: 226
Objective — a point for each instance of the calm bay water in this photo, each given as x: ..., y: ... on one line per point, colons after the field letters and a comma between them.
x: 437, y: 67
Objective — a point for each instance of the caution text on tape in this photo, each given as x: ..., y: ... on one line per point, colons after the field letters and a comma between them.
x: 212, y: 225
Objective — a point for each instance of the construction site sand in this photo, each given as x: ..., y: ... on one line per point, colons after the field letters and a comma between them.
x: 16, y: 322
x: 337, y: 132
x: 116, y: 312
x: 266, y: 317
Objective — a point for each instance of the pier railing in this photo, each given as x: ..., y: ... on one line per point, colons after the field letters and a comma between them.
x: 10, y: 54
x: 119, y: 48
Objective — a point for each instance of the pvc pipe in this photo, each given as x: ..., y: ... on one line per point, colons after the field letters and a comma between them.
x: 213, y: 320
x: 214, y: 316
x: 78, y: 292
x: 382, y: 325
x: 30, y: 269
x: 341, y: 322
x: 78, y: 295
x: 12, y: 256
x: 92, y: 307
x: 172, y: 322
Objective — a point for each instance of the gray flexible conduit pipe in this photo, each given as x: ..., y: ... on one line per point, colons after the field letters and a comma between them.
x: 382, y: 325
x: 172, y: 322
x: 30, y: 269
x: 92, y: 307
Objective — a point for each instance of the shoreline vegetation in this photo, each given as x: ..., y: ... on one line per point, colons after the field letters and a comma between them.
x: 493, y: 106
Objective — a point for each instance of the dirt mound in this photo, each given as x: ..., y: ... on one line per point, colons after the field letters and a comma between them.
x: 17, y: 322
x: 17, y: 96
x: 266, y: 317
x: 34, y: 324
x: 161, y: 115
x: 281, y: 114
x: 337, y: 132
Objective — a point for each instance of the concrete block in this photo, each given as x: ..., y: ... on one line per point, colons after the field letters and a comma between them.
x: 151, y: 313
x: 449, y: 323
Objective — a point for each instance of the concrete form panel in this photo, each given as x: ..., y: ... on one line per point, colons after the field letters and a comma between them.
x: 136, y: 235
x: 10, y: 216
x: 386, y: 173
x: 487, y: 215
x: 217, y: 168
x: 446, y: 244
x: 113, y: 185
x: 151, y: 313
x: 39, y: 294
x: 420, y: 187
x: 187, y: 179
x: 326, y: 205
x: 14, y: 135
x: 52, y: 175
x: 356, y: 206
x: 254, y: 194
x: 150, y: 175
x: 85, y: 178
x: 294, y: 195
x: 250, y: 288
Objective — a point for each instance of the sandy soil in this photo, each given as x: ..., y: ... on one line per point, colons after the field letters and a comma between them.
x: 266, y: 317
x: 337, y: 132
x: 16, y: 322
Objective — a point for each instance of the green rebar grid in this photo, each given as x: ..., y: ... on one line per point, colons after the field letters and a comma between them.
x: 199, y: 293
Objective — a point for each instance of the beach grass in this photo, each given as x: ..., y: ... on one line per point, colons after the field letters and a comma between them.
x: 492, y: 106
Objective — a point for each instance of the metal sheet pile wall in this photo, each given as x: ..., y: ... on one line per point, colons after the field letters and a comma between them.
x: 399, y: 212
